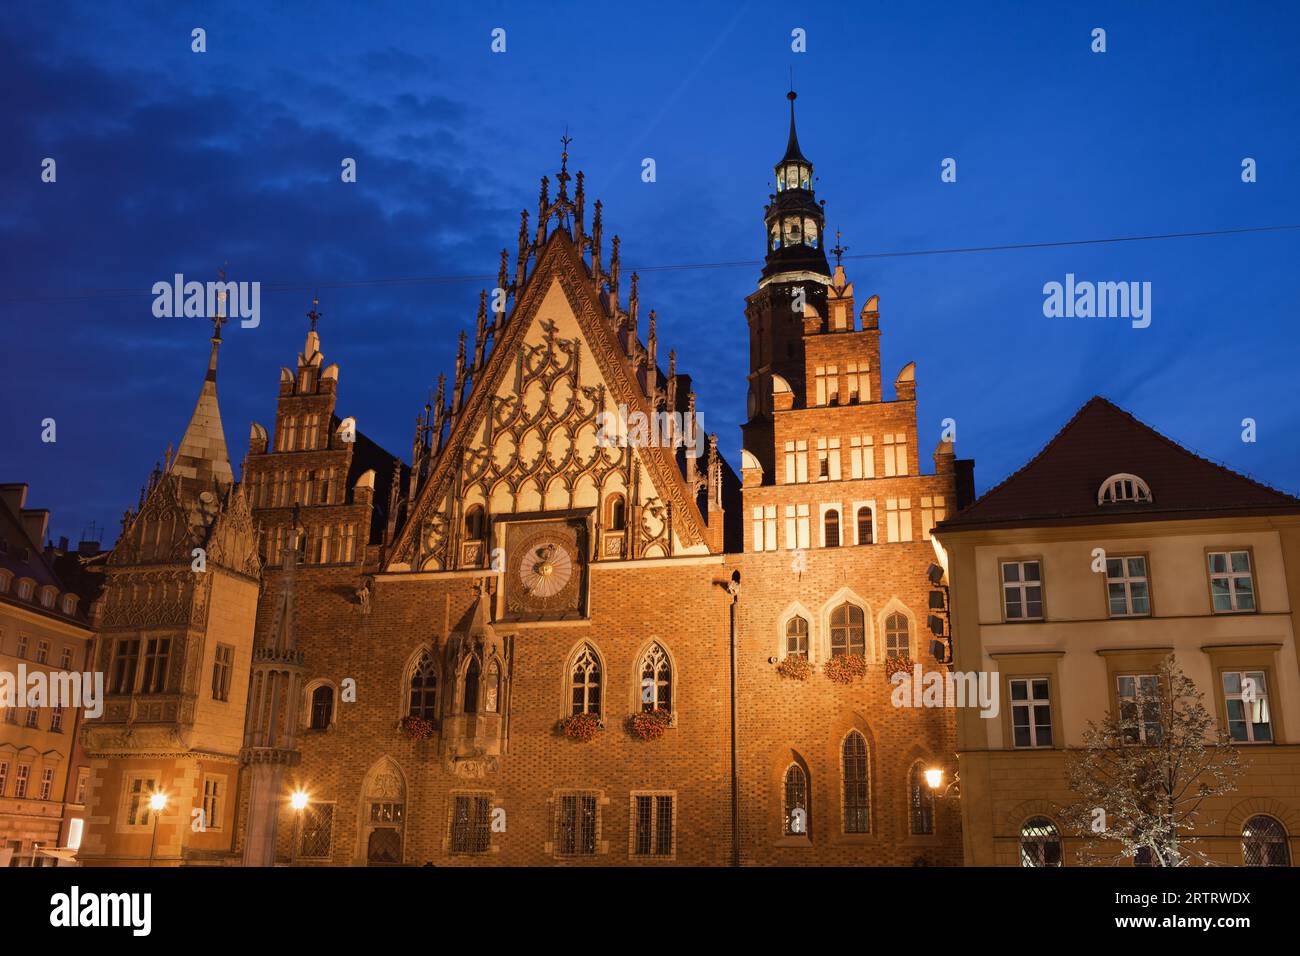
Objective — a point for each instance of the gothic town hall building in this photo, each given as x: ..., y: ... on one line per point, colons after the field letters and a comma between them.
x: 530, y: 644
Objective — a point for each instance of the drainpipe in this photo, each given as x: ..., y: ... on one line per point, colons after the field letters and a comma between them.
x: 733, y: 588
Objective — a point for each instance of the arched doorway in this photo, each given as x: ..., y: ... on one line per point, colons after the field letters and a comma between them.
x: 382, y: 812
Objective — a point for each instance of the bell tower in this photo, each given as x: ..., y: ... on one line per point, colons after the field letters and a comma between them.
x: 792, y: 290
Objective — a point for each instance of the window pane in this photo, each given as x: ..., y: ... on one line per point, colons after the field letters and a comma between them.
x: 1232, y: 682
x: 1240, y: 561
x: 1019, y: 690
x: 1031, y: 571
x: 1218, y: 563
x: 1141, y: 604
x: 1137, y: 567
x: 1010, y: 572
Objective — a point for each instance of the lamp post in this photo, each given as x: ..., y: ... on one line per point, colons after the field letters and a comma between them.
x: 298, y: 800
x: 934, y: 780
x: 157, y: 801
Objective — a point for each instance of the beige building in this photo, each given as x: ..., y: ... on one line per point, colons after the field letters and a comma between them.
x: 43, y: 628
x: 1194, y: 559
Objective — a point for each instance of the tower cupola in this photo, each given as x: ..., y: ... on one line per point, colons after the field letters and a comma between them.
x: 794, y: 219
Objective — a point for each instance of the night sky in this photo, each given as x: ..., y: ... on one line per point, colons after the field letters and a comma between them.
x: 172, y: 161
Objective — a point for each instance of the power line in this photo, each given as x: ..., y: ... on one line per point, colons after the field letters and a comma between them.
x: 392, y: 281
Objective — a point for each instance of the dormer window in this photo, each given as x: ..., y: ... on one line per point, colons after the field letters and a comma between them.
x: 48, y: 595
x: 69, y: 605
x: 25, y: 588
x: 1121, y: 488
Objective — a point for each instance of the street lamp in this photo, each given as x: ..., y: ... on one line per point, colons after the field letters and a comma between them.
x: 934, y: 780
x: 298, y: 800
x: 157, y: 801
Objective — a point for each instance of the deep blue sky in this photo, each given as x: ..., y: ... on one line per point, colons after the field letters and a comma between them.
x: 171, y: 161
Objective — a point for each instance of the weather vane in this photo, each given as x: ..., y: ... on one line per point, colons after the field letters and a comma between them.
x: 314, y: 314
x: 838, y: 249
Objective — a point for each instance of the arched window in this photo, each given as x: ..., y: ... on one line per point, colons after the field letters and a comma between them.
x: 492, y: 689
x: 1040, y: 843
x: 474, y: 523
x: 1123, y: 487
x: 424, y: 688
x: 616, y: 516
x: 796, y: 637
x: 848, y: 631
x: 776, y: 237
x: 897, y: 641
x: 1264, y: 843
x: 796, y: 801
x: 857, y: 795
x: 831, y: 525
x: 322, y: 707
x: 864, y: 526
x: 920, y: 801
x: 656, y: 680
x: 584, y: 682
x: 470, y: 699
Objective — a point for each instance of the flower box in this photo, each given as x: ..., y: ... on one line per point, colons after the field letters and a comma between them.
x: 650, y: 725
x: 846, y: 669
x: 415, y: 728
x: 894, y: 665
x: 581, y: 727
x: 794, y: 667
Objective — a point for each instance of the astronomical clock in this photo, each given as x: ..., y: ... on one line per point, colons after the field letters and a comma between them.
x: 545, y: 569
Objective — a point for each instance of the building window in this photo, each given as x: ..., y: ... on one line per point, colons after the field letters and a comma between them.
x: 286, y: 433
x: 83, y: 780
x: 864, y: 526
x: 1264, y: 843
x: 138, y: 792
x: 424, y: 689
x: 65, y: 659
x: 1022, y: 590
x: 42, y: 652
x: 656, y: 680
x: 796, y: 462
x: 895, y: 454
x: 471, y: 830
x: 933, y: 510
x: 796, y: 802
x: 796, y: 637
x: 831, y: 528
x: 157, y: 652
x: 576, y: 824
x: 4, y: 777
x: 22, y: 645
x: 1139, y: 708
x: 469, y: 699
x: 797, y: 526
x: 322, y: 707
x: 652, y: 824
x: 222, y: 667
x: 1031, y: 712
x: 1126, y: 586
x: 47, y: 783
x: 862, y: 458
x: 617, y: 513
x: 848, y: 631
x: 828, y: 459
x: 857, y: 793
x: 474, y: 523
x: 56, y: 720
x: 214, y: 792
x: 765, y: 528
x: 1040, y: 843
x: 920, y: 802
x: 898, y: 640
x: 859, y: 382
x: 826, y: 379
x: 1245, y: 698
x: 584, y: 682
x: 317, y: 823
x: 1232, y: 587
x: 33, y: 717
x: 898, y: 518
x: 1123, y: 487
x: 20, y: 782
x: 25, y: 588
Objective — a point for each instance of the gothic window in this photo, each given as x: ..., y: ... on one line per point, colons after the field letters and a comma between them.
x: 793, y: 231
x: 424, y: 688
x: 776, y: 237
x: 831, y: 525
x: 796, y: 637
x: 848, y: 631
x: 1040, y: 843
x: 322, y: 707
x: 492, y: 689
x: 125, y: 658
x: 616, y: 516
x: 474, y: 523
x: 317, y: 822
x: 470, y: 699
x: 857, y: 796
x: 810, y: 232
x: 584, y: 682
x: 1264, y: 843
x: 897, y: 640
x: 656, y: 680
x: 223, y: 665
x: 864, y: 526
x: 795, y: 802
x: 471, y: 824
x: 920, y: 802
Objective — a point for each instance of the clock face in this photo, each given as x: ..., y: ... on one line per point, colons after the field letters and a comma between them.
x: 546, y: 564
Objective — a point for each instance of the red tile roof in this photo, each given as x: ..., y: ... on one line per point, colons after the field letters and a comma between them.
x: 1061, y: 482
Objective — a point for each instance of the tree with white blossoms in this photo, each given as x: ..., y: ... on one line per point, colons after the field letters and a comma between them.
x: 1144, y: 773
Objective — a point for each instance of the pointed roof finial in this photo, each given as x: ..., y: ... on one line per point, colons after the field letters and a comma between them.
x: 792, y: 151
x: 315, y: 313
x: 838, y: 250
x: 562, y: 177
